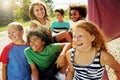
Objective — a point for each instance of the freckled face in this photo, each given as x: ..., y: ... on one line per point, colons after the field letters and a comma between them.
x: 36, y: 43
x: 39, y: 11
x: 75, y: 15
x: 82, y: 39
x: 14, y: 34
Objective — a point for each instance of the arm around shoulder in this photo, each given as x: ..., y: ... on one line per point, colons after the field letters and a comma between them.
x: 61, y: 59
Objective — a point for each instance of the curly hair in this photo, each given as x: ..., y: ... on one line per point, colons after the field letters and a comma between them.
x: 31, y: 8
x: 82, y: 9
x: 93, y: 29
x: 43, y: 33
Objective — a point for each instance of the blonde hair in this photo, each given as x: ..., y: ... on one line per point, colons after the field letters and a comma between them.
x: 17, y: 25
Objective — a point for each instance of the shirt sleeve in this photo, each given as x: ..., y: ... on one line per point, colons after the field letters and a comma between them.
x: 5, y: 52
x: 56, y: 47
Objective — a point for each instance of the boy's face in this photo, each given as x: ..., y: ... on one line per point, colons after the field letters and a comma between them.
x: 59, y: 16
x: 36, y: 44
x: 75, y: 15
x: 39, y: 11
x: 14, y: 34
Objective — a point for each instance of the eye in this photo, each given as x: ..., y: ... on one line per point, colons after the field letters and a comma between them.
x: 80, y: 35
x: 37, y: 10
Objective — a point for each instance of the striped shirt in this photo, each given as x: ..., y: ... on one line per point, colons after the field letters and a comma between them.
x: 93, y: 71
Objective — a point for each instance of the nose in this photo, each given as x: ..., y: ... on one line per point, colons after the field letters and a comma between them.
x: 76, y: 39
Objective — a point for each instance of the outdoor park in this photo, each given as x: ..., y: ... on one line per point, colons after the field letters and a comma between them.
x: 19, y: 11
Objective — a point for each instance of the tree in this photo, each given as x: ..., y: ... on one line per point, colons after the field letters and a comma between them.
x: 21, y: 12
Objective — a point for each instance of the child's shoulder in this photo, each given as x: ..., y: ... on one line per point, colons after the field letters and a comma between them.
x: 9, y: 45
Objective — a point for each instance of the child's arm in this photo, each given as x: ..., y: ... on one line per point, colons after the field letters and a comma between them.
x: 108, y: 59
x: 65, y: 47
x: 35, y: 72
x: 70, y: 66
x: 64, y: 35
x: 4, y: 71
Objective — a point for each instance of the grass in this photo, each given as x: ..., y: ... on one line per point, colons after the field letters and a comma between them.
x: 3, y: 28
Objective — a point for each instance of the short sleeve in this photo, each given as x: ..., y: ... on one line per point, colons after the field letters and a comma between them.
x: 28, y: 54
x: 5, y: 52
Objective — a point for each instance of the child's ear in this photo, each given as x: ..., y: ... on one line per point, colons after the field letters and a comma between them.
x: 92, y: 38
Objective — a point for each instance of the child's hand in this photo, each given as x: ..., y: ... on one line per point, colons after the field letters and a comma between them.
x: 60, y: 60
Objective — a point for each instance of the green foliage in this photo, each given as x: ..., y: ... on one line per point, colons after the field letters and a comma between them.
x: 22, y: 12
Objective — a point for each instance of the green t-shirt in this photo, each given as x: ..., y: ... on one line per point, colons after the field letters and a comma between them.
x: 42, y: 59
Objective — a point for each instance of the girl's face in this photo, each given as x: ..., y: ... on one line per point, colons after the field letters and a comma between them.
x: 36, y: 44
x: 39, y: 11
x: 82, y: 40
x: 75, y: 15
x: 14, y: 34
x: 59, y: 16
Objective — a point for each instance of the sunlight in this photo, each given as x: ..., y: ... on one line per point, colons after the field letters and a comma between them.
x: 4, y: 3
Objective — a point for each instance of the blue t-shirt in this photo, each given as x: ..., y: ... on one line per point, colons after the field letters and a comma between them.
x: 18, y: 67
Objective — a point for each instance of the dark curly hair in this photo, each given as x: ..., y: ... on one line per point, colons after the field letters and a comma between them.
x: 82, y: 9
x: 43, y: 33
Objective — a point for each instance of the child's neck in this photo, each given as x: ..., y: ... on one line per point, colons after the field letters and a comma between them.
x: 20, y: 42
x: 86, y: 51
x: 61, y: 20
x: 42, y: 21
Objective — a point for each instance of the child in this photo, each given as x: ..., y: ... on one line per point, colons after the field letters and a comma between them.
x: 88, y: 57
x: 39, y: 17
x: 60, y: 24
x: 77, y: 12
x: 14, y: 63
x: 42, y: 53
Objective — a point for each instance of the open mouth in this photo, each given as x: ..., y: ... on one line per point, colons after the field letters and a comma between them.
x: 80, y: 44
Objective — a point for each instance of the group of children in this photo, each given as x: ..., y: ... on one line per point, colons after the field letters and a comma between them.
x: 82, y: 53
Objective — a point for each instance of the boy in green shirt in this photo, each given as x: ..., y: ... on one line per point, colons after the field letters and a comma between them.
x: 44, y: 56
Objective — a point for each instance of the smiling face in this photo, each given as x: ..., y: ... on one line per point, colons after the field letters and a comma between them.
x: 59, y: 16
x: 82, y: 40
x: 39, y: 11
x: 75, y: 15
x: 15, y: 34
x: 36, y: 43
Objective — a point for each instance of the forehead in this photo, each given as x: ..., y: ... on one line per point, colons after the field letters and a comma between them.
x: 79, y: 31
x: 13, y: 28
x: 34, y: 37
x: 74, y: 11
x: 57, y: 13
x: 38, y: 6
